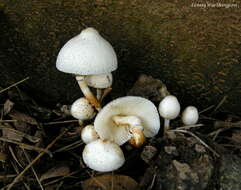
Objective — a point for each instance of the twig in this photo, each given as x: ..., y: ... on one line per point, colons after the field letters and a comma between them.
x: 70, y: 146
x: 15, y: 84
x: 200, y: 140
x: 220, y: 103
x: 190, y: 126
x: 14, y: 156
x: 33, y: 170
x: 206, y: 109
x: 60, y: 122
x: 8, y: 121
x: 7, y: 176
x: 35, y: 160
x: 27, y: 146
x: 59, y: 179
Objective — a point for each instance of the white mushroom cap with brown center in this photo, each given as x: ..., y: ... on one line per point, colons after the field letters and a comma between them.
x: 103, y: 156
x: 87, y: 54
x: 138, y: 107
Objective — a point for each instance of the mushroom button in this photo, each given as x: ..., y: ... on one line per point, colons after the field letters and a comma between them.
x: 103, y: 156
x: 128, y: 118
x: 81, y: 109
x: 88, y: 134
x: 87, y: 54
x: 190, y: 115
x: 169, y: 108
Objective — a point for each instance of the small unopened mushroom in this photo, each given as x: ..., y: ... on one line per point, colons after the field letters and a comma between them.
x: 190, y: 115
x: 88, y: 134
x: 87, y: 54
x: 128, y: 118
x: 103, y: 156
x: 169, y: 108
x: 99, y: 82
x: 81, y: 109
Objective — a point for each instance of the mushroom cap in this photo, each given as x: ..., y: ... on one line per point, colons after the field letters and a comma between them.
x: 88, y: 134
x: 99, y: 81
x: 190, y: 115
x: 140, y: 107
x: 169, y: 107
x: 81, y: 109
x: 87, y: 54
x: 103, y: 156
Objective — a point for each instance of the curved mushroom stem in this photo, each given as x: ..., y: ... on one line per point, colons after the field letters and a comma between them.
x: 135, y: 127
x: 87, y: 93
x: 166, y: 124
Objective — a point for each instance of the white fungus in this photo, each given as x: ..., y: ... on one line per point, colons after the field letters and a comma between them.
x: 103, y: 156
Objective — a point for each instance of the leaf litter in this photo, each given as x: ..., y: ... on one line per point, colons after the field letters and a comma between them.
x: 29, y: 131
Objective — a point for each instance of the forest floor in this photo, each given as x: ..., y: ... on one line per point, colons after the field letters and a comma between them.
x: 41, y: 148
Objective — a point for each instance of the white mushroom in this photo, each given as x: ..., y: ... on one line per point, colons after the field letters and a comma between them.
x: 190, y: 115
x: 103, y: 156
x: 87, y: 54
x: 99, y: 82
x: 88, y: 134
x: 169, y: 108
x: 81, y: 109
x: 128, y: 118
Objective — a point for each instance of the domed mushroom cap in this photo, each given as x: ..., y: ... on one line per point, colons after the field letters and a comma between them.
x: 81, y: 109
x: 169, y: 107
x: 87, y: 54
x: 99, y: 81
x: 190, y: 115
x: 140, y: 107
x: 103, y: 156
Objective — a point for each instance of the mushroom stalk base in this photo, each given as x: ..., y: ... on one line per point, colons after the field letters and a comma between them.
x: 87, y: 93
x: 166, y: 124
x: 98, y: 93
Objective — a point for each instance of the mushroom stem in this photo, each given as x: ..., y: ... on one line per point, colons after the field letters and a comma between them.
x: 98, y: 93
x: 166, y: 124
x: 138, y: 138
x: 87, y: 93
x: 135, y: 127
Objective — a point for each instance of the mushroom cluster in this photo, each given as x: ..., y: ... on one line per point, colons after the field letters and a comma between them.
x: 91, y: 59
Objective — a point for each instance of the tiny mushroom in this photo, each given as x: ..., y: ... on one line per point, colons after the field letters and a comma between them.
x: 88, y: 134
x: 81, y: 109
x: 103, y: 155
x: 87, y: 54
x: 190, y: 115
x: 169, y: 108
x: 128, y: 118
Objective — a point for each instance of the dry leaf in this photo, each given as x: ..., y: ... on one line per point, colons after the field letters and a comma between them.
x: 55, y: 172
x: 8, y: 105
x: 110, y: 182
x: 12, y: 134
x: 22, y: 117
